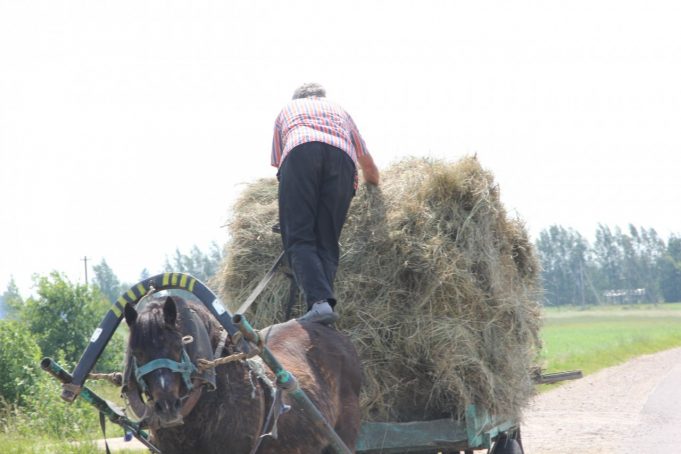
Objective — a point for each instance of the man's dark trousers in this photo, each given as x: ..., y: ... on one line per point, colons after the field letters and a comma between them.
x: 316, y: 186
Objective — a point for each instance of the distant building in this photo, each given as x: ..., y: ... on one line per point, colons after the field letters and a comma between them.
x: 625, y: 296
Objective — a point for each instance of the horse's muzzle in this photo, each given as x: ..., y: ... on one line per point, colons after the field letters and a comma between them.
x: 166, y: 423
x: 167, y: 413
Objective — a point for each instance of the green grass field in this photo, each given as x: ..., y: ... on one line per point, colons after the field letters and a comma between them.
x: 600, y: 337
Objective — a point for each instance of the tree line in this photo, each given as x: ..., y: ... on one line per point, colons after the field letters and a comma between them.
x: 634, y: 265
x: 201, y: 264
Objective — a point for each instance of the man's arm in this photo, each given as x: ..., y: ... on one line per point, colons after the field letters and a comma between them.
x: 364, y: 159
x: 369, y: 169
x: 275, y: 159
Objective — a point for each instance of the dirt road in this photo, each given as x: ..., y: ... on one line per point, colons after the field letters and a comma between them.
x: 634, y: 407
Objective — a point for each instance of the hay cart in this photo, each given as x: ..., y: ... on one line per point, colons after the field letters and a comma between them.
x: 479, y: 430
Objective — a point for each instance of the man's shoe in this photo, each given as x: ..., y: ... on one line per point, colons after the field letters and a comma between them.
x: 320, y: 312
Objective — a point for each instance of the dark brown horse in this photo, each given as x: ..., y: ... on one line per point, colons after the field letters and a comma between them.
x: 184, y: 418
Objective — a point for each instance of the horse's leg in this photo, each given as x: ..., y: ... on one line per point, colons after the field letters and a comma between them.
x: 349, y: 413
x: 348, y: 425
x: 174, y: 441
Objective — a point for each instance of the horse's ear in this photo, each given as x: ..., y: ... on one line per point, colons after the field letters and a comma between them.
x: 170, y: 311
x: 130, y: 314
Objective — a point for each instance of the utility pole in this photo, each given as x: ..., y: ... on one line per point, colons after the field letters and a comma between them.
x: 581, y: 281
x: 84, y: 259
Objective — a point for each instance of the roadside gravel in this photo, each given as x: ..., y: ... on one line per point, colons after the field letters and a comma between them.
x: 634, y: 407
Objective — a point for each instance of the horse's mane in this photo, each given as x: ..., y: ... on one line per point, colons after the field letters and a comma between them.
x: 150, y: 325
x: 213, y: 326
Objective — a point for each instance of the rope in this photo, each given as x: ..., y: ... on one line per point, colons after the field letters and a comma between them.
x: 115, y: 378
x: 203, y: 364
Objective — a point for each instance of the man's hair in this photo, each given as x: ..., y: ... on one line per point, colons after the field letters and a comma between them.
x: 309, y: 90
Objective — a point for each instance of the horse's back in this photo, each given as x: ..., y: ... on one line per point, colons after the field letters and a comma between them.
x: 319, y: 347
x: 313, y: 340
x: 327, y: 366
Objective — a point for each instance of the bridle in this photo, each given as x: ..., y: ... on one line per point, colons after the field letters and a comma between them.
x: 185, y: 368
x: 135, y: 386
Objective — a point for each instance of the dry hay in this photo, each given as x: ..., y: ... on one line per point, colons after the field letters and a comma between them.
x: 437, y: 287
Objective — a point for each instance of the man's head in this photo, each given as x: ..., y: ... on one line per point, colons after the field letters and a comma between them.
x: 309, y: 90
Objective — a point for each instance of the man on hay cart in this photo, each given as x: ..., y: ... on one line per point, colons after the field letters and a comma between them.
x: 316, y: 147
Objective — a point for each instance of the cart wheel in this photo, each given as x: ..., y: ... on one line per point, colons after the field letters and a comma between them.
x: 506, y: 445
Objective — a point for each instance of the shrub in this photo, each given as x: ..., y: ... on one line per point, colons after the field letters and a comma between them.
x: 18, y: 356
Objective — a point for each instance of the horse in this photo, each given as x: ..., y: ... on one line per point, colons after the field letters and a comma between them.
x: 184, y: 417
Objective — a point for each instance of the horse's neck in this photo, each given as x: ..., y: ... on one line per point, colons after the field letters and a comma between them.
x: 210, y: 324
x: 240, y: 395
x: 245, y: 384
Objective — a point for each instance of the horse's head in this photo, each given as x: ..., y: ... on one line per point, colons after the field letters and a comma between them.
x: 160, y: 365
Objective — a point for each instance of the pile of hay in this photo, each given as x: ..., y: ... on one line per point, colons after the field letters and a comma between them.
x: 437, y: 287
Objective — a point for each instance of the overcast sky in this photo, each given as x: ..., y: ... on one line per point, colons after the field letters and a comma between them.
x: 127, y: 128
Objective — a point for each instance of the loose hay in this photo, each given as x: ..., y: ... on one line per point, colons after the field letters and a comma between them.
x: 437, y: 288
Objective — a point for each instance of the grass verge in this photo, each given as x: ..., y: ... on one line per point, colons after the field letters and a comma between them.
x: 21, y: 445
x: 601, y: 337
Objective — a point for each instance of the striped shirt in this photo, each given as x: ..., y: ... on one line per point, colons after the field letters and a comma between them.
x: 315, y: 120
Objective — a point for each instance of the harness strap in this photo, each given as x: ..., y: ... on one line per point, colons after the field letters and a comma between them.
x: 261, y: 285
x: 258, y: 368
x: 221, y: 344
x: 277, y: 408
x: 102, y: 424
x: 191, y: 401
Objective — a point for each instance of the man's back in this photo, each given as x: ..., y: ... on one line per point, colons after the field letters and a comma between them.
x: 315, y: 119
